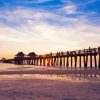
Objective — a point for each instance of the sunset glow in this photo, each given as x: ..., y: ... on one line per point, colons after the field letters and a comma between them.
x: 45, y: 26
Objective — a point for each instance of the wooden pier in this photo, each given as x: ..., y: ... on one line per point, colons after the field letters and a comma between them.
x: 86, y: 58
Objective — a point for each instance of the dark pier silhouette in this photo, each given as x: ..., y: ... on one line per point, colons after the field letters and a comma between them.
x: 86, y: 58
x: 3, y: 60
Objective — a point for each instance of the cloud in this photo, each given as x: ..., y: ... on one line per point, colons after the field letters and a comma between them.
x: 41, y: 1
x: 67, y: 1
x: 79, y: 2
x: 29, y: 1
x: 69, y: 9
x: 40, y: 29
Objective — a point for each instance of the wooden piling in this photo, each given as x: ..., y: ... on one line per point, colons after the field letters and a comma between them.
x: 67, y: 63
x: 64, y: 61
x: 75, y: 61
x: 71, y: 61
x: 60, y: 61
x: 80, y: 61
x: 95, y: 61
x: 91, y: 61
x: 75, y: 58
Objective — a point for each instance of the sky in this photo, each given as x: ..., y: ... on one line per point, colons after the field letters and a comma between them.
x: 45, y: 26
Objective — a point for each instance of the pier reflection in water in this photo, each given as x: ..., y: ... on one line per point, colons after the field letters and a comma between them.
x: 12, y: 67
x: 67, y: 77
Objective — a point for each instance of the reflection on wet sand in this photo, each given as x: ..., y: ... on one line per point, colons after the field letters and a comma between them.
x: 79, y: 85
x: 43, y: 72
x: 72, y: 77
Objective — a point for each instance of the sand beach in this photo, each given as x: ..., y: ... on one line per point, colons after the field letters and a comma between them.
x: 36, y: 84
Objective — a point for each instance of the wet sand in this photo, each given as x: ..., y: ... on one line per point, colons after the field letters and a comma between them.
x: 48, y: 87
x: 50, y: 84
x: 51, y: 71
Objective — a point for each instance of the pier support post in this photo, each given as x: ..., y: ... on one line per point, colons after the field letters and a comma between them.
x: 37, y: 61
x: 90, y: 61
x: 67, y: 63
x: 48, y: 62
x: 99, y: 62
x: 60, y: 61
x: 80, y: 61
x: 99, y: 57
x: 95, y: 61
x: 86, y: 62
x: 40, y: 62
x: 32, y: 62
x: 71, y: 61
x: 54, y: 61
x: 85, y: 57
x: 57, y: 61
x: 79, y: 52
x: 64, y: 61
x: 29, y: 61
x: 75, y: 61
x: 44, y: 62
